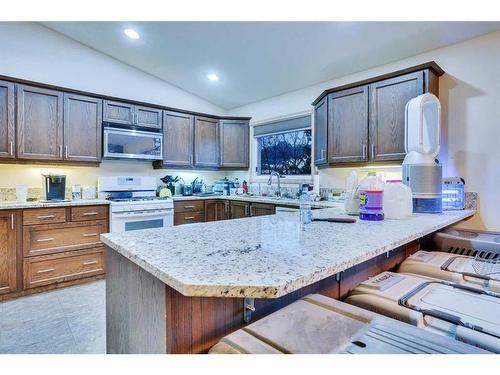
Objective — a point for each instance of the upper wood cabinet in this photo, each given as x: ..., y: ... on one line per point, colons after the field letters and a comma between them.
x: 7, y: 121
x: 9, y: 221
x: 133, y: 115
x: 234, y: 144
x: 348, y: 125
x: 39, y: 123
x: 365, y: 121
x: 321, y: 132
x: 206, y: 142
x: 388, y: 100
x: 178, y: 133
x: 82, y: 128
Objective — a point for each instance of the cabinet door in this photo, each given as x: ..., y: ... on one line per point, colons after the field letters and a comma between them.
x: 262, y: 209
x: 387, y: 114
x: 39, y: 123
x: 206, y: 142
x: 8, y: 258
x: 320, y: 132
x: 216, y: 210
x: 348, y: 125
x: 239, y: 210
x: 234, y: 144
x: 118, y: 112
x: 148, y: 117
x: 178, y: 129
x: 82, y: 128
x: 7, y: 125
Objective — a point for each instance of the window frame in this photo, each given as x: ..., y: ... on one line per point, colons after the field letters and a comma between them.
x: 255, y: 154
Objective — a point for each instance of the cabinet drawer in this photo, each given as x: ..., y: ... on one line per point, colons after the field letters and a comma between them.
x: 86, y: 213
x: 44, y: 215
x: 49, y: 269
x: 189, y: 217
x: 48, y: 239
x: 187, y: 206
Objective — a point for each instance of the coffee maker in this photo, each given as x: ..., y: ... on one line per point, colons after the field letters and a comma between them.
x: 54, y: 187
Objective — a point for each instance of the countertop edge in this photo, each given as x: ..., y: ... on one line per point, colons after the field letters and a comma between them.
x: 38, y: 204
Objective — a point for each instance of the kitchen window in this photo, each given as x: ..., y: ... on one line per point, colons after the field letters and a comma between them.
x: 284, y: 146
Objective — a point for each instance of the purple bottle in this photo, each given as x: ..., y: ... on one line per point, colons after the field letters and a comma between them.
x: 371, y: 198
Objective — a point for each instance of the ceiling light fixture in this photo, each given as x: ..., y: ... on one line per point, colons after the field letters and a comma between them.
x: 213, y: 77
x: 131, y: 33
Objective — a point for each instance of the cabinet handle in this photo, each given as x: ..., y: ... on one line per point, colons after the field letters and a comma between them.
x: 189, y: 206
x: 373, y: 151
x: 89, y: 234
x: 45, y: 239
x: 46, y: 270
x: 46, y: 217
x: 247, y: 210
x: 66, y: 151
x: 93, y: 213
x: 11, y: 148
x: 188, y: 217
x: 12, y: 221
x: 60, y: 151
x: 90, y: 262
x: 364, y: 151
x: 226, y: 207
x: 323, y: 154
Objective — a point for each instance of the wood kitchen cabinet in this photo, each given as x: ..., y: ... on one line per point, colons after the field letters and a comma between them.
x: 348, y: 125
x: 321, y: 132
x: 178, y: 139
x: 388, y: 100
x: 7, y: 121
x: 262, y: 209
x: 82, y: 128
x: 216, y: 210
x: 131, y: 114
x: 189, y: 211
x: 365, y: 120
x: 239, y: 209
x: 234, y: 144
x: 39, y: 123
x: 206, y: 142
x: 9, y: 221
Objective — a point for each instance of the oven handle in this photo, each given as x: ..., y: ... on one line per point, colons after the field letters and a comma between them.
x: 119, y: 215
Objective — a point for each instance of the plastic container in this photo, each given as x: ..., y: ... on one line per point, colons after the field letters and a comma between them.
x: 371, y: 198
x: 351, y: 203
x: 398, y: 202
x: 305, y: 208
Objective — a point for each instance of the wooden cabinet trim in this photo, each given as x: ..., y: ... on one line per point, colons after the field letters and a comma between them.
x: 8, y: 129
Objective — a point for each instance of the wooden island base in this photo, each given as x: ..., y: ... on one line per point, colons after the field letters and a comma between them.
x: 143, y: 315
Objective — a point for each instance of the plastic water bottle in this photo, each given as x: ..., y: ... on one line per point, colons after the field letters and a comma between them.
x: 305, y: 208
x: 371, y: 198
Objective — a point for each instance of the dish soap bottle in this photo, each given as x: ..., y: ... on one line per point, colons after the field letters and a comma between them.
x: 371, y: 197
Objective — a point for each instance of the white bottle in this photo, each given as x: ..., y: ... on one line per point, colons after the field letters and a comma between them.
x: 397, y: 200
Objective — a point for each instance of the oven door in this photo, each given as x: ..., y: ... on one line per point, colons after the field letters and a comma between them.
x: 132, y: 144
x: 129, y: 221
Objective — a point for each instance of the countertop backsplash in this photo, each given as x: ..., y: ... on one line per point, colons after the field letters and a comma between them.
x: 34, y: 194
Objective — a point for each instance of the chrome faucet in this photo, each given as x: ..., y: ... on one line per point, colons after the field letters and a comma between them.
x: 271, y: 180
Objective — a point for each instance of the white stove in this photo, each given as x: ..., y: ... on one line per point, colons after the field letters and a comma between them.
x: 134, y: 204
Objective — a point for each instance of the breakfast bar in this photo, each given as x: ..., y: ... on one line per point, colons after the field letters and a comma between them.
x: 180, y: 289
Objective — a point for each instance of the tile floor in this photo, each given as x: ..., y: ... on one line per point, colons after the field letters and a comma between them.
x: 69, y: 320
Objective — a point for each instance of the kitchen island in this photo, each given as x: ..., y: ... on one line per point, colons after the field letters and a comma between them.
x: 180, y: 289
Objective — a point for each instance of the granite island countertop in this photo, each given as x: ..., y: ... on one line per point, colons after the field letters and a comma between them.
x: 267, y: 256
x: 6, y: 205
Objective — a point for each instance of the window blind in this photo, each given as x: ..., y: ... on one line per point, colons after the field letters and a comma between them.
x: 281, y: 126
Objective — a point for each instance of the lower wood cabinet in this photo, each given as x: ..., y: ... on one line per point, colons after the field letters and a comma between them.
x: 9, y: 221
x: 188, y: 212
x: 216, y: 210
x: 239, y: 209
x: 262, y: 209
x: 49, y: 269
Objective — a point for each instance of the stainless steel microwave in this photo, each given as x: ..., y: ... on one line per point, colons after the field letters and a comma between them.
x: 132, y: 144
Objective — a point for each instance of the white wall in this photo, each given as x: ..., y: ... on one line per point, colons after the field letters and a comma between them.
x: 470, y: 98
x: 33, y: 52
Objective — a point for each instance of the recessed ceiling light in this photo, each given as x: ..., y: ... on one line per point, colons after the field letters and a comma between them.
x: 213, y: 77
x: 131, y: 33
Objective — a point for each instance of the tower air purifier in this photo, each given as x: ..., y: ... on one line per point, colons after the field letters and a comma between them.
x: 422, y: 171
